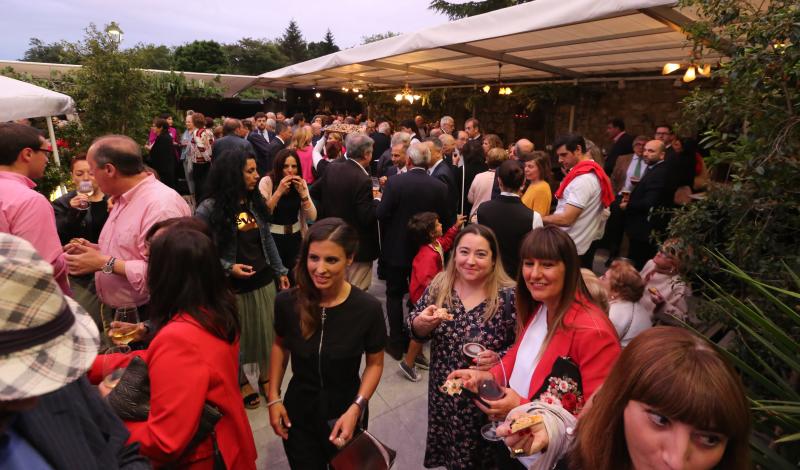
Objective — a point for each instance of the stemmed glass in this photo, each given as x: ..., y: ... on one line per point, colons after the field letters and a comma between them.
x: 112, y: 374
x: 488, y: 389
x: 126, y: 320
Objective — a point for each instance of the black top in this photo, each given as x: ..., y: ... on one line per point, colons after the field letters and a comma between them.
x: 510, y: 220
x: 73, y: 223
x: 352, y: 328
x: 287, y: 208
x: 250, y: 252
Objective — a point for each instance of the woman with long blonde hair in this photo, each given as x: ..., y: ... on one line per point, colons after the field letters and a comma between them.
x: 301, y: 143
x: 475, y: 290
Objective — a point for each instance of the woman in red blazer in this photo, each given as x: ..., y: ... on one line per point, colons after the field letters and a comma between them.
x: 193, y: 358
x: 565, y: 344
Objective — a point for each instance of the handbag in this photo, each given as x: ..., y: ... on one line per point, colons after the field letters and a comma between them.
x: 130, y: 400
x: 364, y: 452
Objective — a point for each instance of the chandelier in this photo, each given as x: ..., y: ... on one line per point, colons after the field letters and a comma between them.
x: 502, y: 90
x: 693, y: 68
x: 406, y: 94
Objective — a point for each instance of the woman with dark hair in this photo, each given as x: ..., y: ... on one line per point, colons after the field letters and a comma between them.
x: 239, y: 219
x: 286, y: 194
x: 162, y: 153
x: 475, y: 290
x: 200, y: 147
x: 565, y: 344
x: 325, y: 326
x: 192, y: 359
x: 671, y: 401
x: 536, y: 194
x: 474, y: 162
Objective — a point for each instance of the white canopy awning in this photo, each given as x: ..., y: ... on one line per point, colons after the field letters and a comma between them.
x: 20, y: 100
x: 542, y: 40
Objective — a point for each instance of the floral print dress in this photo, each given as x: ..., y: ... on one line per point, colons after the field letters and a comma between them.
x: 454, y: 436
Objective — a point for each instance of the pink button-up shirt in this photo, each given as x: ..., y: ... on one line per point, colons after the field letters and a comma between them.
x: 29, y: 215
x: 122, y: 237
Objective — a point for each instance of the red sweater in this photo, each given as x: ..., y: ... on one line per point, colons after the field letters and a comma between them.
x: 428, y: 263
x: 188, y: 366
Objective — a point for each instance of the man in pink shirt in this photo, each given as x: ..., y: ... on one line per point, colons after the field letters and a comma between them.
x: 119, y: 260
x: 24, y: 212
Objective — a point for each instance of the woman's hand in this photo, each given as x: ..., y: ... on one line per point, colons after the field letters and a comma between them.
x: 137, y: 329
x: 284, y: 282
x: 498, y: 409
x: 76, y: 201
x: 525, y: 442
x: 345, y: 426
x: 460, y: 219
x: 279, y: 420
x: 426, y: 321
x: 241, y: 271
x: 284, y: 185
x: 301, y: 186
x: 655, y: 296
x: 470, y: 378
x: 486, y: 360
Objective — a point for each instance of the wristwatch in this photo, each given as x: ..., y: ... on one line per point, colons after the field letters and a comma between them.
x: 108, y: 268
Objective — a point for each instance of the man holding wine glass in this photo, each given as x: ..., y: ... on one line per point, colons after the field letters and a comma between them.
x: 119, y: 259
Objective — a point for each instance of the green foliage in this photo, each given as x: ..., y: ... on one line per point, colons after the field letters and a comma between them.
x: 769, y: 376
x: 378, y: 37
x: 201, y: 56
x: 152, y: 56
x: 292, y: 44
x: 457, y: 11
x: 324, y: 47
x: 55, y: 53
x: 254, y: 56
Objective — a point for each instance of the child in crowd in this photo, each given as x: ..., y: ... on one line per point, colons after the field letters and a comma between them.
x: 425, y: 232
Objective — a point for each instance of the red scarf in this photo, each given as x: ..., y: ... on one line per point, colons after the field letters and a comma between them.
x: 582, y: 168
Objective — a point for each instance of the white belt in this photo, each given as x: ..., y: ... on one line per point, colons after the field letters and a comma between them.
x: 285, y: 229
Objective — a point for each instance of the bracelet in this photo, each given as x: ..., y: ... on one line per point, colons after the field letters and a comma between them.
x: 361, y: 402
x: 304, y: 199
x: 279, y: 400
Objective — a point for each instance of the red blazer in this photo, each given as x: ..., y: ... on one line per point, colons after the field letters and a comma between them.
x: 427, y: 264
x: 588, y: 337
x: 187, y: 366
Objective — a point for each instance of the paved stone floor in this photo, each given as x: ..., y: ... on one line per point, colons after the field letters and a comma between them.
x: 398, y: 415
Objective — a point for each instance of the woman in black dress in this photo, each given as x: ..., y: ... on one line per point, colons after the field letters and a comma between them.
x: 162, y: 153
x: 81, y: 213
x: 286, y: 194
x: 324, y: 325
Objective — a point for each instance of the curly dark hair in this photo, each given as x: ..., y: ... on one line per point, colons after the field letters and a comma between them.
x: 420, y: 227
x: 225, y: 185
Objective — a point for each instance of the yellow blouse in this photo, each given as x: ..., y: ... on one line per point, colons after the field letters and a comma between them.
x: 538, y: 197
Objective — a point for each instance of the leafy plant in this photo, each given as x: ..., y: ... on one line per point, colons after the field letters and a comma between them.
x: 771, y: 375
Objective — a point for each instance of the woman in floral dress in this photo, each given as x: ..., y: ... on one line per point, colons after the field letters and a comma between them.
x: 475, y: 290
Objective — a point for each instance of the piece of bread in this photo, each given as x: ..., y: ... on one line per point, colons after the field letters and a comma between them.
x: 525, y: 422
x: 443, y: 314
x: 451, y: 387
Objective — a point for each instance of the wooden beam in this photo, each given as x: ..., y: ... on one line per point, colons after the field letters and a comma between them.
x: 419, y: 71
x: 354, y: 77
x: 512, y: 59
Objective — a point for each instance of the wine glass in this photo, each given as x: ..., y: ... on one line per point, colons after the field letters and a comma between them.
x: 112, y: 374
x: 472, y: 347
x: 126, y: 320
x: 489, y: 389
x: 85, y: 187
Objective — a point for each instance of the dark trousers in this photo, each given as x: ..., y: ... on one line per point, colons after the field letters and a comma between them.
x: 396, y: 288
x: 307, y: 447
x: 615, y: 229
x: 641, y: 251
x: 199, y: 173
x: 587, y: 259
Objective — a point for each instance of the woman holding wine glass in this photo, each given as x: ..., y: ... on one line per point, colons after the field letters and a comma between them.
x: 476, y: 291
x: 192, y: 359
x: 565, y: 344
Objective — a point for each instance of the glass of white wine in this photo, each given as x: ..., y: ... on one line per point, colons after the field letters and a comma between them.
x: 112, y: 374
x: 125, y: 326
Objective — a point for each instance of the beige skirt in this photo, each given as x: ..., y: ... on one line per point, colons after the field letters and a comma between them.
x: 257, y: 315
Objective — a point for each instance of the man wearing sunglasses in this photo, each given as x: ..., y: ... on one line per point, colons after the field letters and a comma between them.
x: 24, y: 154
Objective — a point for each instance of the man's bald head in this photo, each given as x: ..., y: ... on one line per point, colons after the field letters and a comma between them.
x: 118, y: 150
x: 654, y: 151
x: 522, y: 146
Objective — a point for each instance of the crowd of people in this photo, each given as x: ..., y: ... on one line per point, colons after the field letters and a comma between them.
x: 250, y: 244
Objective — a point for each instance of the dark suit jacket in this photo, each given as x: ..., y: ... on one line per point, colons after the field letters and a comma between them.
x: 73, y: 428
x: 620, y: 172
x: 510, y: 220
x: 273, y: 147
x: 403, y: 196
x: 622, y: 146
x: 260, y: 146
x: 444, y: 173
x: 382, y: 144
x: 653, y: 193
x: 230, y: 142
x: 384, y: 163
x: 346, y: 191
